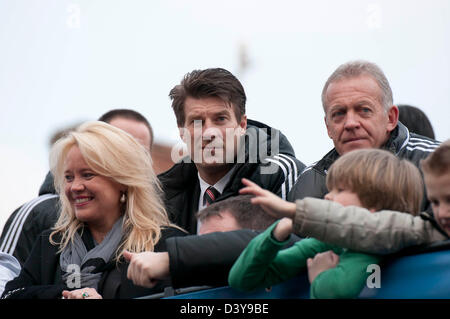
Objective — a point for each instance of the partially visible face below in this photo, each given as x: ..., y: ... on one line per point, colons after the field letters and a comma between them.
x: 211, y: 131
x: 344, y: 196
x: 219, y: 223
x: 135, y: 128
x: 355, y: 117
x: 94, y: 198
x: 438, y: 192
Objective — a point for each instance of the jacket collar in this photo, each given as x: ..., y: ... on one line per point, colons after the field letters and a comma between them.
x: 47, y: 186
x: 397, y: 141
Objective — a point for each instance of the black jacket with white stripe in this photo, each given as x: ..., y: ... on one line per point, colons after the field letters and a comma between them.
x: 402, y: 143
x: 23, y: 227
x: 268, y: 160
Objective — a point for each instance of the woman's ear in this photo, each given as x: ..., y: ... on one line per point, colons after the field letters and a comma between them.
x: 124, y: 190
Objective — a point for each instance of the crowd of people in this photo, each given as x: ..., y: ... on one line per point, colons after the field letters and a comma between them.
x: 240, y: 209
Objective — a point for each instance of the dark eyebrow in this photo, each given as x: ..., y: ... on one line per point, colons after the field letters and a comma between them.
x: 194, y: 115
x: 224, y: 112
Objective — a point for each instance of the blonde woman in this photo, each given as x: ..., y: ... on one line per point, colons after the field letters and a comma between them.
x: 110, y: 203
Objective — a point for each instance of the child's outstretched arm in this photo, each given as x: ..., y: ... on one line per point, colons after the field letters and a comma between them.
x: 358, y: 229
x: 271, y: 203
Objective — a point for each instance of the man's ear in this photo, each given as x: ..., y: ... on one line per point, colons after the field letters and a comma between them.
x: 392, y: 118
x: 328, y: 129
x: 182, y: 131
x: 243, y: 124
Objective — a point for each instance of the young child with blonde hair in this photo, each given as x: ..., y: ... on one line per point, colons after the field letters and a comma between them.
x: 370, y: 178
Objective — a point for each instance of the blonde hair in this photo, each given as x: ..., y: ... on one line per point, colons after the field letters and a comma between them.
x: 438, y: 162
x: 380, y: 179
x: 115, y: 154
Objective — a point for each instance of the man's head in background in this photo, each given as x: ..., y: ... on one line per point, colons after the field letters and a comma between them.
x: 131, y: 122
x: 232, y: 214
x: 415, y: 120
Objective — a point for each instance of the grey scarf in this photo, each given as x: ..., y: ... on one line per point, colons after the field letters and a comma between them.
x: 81, y: 268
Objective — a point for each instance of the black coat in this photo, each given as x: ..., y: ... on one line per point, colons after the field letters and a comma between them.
x: 41, y: 276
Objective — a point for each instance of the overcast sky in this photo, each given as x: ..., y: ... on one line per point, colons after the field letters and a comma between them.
x: 63, y: 62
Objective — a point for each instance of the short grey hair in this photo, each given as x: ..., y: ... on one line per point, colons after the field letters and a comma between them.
x: 360, y: 67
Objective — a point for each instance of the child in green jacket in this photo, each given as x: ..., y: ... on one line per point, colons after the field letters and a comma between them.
x: 369, y: 178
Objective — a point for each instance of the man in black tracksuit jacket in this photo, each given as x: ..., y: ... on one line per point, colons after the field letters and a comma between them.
x: 181, y: 184
x: 359, y: 113
x: 223, y: 147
